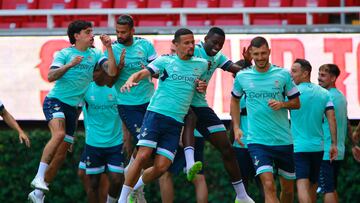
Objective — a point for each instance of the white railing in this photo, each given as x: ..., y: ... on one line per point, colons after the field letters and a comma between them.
x: 182, y: 12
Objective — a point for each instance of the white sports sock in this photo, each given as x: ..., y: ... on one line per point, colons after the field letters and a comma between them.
x: 240, y: 189
x: 41, y: 170
x: 39, y: 193
x: 189, y: 157
x: 111, y: 199
x: 139, y: 183
x: 125, y: 191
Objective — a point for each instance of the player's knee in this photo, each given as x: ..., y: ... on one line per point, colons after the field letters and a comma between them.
x: 81, y: 173
x: 161, y: 168
x: 94, y: 184
x: 116, y: 180
x: 269, y: 186
x: 58, y: 136
x: 288, y: 190
x: 143, y: 156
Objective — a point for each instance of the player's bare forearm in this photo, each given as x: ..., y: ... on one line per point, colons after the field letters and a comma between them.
x: 10, y: 121
x: 235, y: 111
x: 136, y: 77
x: 291, y: 104
x: 330, y: 114
x: 110, y: 65
x: 55, y: 74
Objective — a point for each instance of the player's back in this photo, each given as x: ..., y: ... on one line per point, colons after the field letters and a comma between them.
x: 306, y: 122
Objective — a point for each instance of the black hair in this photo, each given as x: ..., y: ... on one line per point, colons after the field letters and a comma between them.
x: 125, y: 20
x: 180, y: 32
x: 76, y: 27
x: 258, y: 42
x: 215, y: 30
x: 333, y: 69
x: 304, y: 64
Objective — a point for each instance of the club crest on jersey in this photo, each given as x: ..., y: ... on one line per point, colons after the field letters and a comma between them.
x: 209, y: 65
x: 251, y: 85
x: 276, y: 83
x: 111, y: 97
x: 89, y: 58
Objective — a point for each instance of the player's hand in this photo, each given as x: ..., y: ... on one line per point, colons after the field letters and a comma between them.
x: 246, y: 54
x: 24, y: 138
x: 127, y: 86
x: 333, y: 152
x: 76, y: 61
x: 238, y: 133
x: 106, y: 40
x: 122, y: 59
x: 275, y: 105
x: 356, y: 153
x: 356, y: 136
x: 200, y: 86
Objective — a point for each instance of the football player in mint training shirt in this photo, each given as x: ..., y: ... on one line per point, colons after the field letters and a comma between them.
x: 307, y: 131
x: 72, y: 70
x: 265, y: 87
x: 330, y: 166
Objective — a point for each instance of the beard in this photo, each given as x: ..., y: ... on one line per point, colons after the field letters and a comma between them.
x: 123, y: 41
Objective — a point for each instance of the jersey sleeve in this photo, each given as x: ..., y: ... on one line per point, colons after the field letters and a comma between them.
x: 329, y: 103
x: 290, y: 88
x: 157, y: 66
x: 59, y: 60
x: 224, y: 62
x: 151, y: 52
x: 237, y: 91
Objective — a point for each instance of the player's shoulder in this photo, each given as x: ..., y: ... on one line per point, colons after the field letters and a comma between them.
x: 141, y: 40
x: 199, y: 59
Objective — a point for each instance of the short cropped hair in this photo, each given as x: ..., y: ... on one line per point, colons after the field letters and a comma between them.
x: 180, y: 32
x: 304, y: 64
x: 332, y: 69
x: 125, y: 20
x: 258, y: 42
x: 215, y: 30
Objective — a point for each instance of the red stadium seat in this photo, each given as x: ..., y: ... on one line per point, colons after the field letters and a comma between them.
x: 268, y: 19
x: 129, y: 3
x: 164, y: 3
x: 156, y: 20
x: 236, y: 3
x: 201, y: 3
x: 94, y: 4
x: 56, y: 4
x: 19, y: 4
x: 228, y: 20
x: 8, y: 25
x: 301, y: 18
x: 198, y: 20
x: 33, y: 25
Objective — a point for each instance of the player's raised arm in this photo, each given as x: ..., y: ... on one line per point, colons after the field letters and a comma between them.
x: 110, y: 65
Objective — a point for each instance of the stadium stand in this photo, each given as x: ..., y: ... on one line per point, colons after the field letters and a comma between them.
x: 170, y: 13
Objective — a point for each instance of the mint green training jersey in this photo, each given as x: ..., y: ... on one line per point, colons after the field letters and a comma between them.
x: 266, y: 126
x: 176, y: 84
x: 306, y: 122
x: 71, y: 87
x: 243, y: 124
x: 101, y: 117
x: 138, y: 56
x: 214, y: 62
x: 340, y: 106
